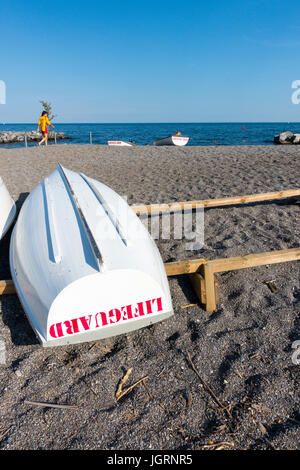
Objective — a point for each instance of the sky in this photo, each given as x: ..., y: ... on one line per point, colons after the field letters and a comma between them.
x: 150, y: 61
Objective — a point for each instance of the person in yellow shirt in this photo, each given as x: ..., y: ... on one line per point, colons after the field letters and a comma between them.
x: 44, y: 123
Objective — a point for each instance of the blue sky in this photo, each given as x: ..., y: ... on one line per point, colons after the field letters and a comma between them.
x: 158, y: 61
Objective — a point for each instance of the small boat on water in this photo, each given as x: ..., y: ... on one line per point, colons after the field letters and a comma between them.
x: 175, y: 139
x: 120, y: 143
x: 89, y: 269
x: 7, y: 209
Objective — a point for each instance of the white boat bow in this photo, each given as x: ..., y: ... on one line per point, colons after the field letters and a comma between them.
x: 120, y: 143
x: 172, y: 140
x: 89, y: 269
x: 7, y: 209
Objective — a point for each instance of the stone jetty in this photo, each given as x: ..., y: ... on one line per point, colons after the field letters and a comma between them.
x: 287, y: 138
x: 9, y: 137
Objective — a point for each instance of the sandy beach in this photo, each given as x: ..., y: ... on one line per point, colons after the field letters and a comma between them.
x: 242, y: 351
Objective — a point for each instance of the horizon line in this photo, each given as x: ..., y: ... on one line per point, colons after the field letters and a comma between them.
x: 166, y: 122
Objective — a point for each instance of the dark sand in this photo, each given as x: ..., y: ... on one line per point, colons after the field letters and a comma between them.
x: 242, y: 351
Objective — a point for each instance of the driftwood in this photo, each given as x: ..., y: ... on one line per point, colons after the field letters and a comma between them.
x: 50, y: 405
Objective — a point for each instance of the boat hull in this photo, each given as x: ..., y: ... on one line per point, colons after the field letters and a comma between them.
x: 90, y: 269
x: 119, y: 143
x: 7, y: 210
x: 172, y: 140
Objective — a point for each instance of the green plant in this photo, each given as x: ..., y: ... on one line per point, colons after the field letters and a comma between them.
x: 48, y: 108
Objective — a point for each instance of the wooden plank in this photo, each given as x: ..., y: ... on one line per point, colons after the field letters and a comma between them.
x: 226, y: 201
x: 258, y: 259
x: 7, y: 287
x: 189, y: 266
x: 186, y: 266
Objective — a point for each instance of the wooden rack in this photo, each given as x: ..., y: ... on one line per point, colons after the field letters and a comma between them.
x: 201, y: 270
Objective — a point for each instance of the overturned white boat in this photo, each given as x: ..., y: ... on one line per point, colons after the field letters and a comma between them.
x: 7, y: 209
x: 120, y: 143
x: 172, y: 140
x: 83, y: 264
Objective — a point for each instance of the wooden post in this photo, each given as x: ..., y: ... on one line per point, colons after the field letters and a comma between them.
x: 198, y: 284
x: 55, y: 137
x: 25, y: 139
x: 209, y: 283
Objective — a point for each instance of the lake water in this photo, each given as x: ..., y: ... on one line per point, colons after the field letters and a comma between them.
x: 143, y: 134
